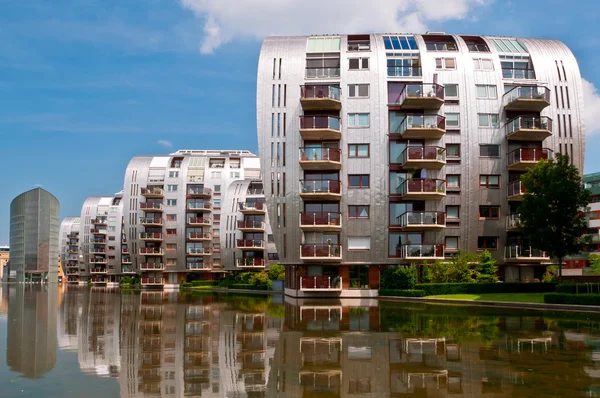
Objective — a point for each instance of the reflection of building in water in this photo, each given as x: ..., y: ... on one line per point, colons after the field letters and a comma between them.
x: 98, y: 340
x: 31, y: 337
x: 69, y: 317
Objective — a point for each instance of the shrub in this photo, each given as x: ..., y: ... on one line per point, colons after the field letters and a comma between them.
x: 399, y: 278
x: 402, y: 293
x: 434, y: 289
x: 486, y: 269
x: 564, y: 298
x: 247, y: 286
x: 126, y: 280
x: 578, y: 288
x: 185, y: 284
x: 276, y: 272
x: 204, y: 283
x: 261, y: 279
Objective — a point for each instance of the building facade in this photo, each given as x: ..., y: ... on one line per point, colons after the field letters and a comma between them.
x: 195, y: 214
x: 34, y: 225
x: 397, y: 149
x: 4, y: 257
x: 69, y: 248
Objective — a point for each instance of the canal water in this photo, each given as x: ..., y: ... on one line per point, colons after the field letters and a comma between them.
x: 81, y: 342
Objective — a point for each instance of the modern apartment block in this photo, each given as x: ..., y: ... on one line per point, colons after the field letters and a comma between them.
x: 34, y: 224
x: 399, y: 149
x: 195, y: 214
x: 102, y: 259
x: 69, y: 248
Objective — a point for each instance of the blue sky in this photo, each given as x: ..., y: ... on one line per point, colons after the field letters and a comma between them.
x: 88, y: 84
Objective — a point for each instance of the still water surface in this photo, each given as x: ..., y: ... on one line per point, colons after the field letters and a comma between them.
x: 75, y: 342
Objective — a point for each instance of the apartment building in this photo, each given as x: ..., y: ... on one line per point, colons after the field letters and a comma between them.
x: 399, y: 149
x: 69, y: 248
x: 4, y: 257
x: 102, y: 261
x: 195, y: 214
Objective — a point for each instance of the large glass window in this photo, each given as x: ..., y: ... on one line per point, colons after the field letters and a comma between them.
x: 489, y: 151
x: 400, y: 43
x: 358, y: 181
x: 398, y: 239
x: 450, y: 90
x: 486, y: 91
x: 359, y: 277
x: 488, y: 120
x: 487, y: 242
x: 403, y: 66
x: 358, y: 120
x: 358, y: 211
x: 358, y: 90
x: 358, y: 150
x: 452, y: 120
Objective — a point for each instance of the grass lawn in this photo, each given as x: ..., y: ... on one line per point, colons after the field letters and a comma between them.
x: 514, y: 297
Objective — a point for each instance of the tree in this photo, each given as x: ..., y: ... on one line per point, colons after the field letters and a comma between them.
x: 552, y: 214
x: 486, y: 268
x: 399, y: 278
x: 594, y: 260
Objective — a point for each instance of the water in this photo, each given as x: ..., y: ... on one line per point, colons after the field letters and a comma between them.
x: 76, y: 342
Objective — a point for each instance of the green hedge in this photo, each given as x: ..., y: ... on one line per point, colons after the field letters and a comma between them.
x: 581, y: 299
x: 205, y: 283
x: 434, y: 289
x: 248, y: 286
x: 402, y: 293
x: 578, y: 288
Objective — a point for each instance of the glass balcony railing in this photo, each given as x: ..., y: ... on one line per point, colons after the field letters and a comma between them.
x: 526, y: 93
x: 514, y: 73
x: 320, y: 283
x: 318, y: 250
x: 152, y: 192
x: 320, y: 92
x: 250, y: 262
x: 513, y: 221
x: 151, y: 235
x: 198, y: 266
x: 320, y: 186
x: 150, y: 206
x: 199, y: 206
x: 418, y: 122
x: 151, y: 220
x: 523, y: 252
x: 251, y: 225
x: 528, y: 123
x: 320, y: 122
x: 528, y: 155
x: 321, y: 219
x: 421, y: 251
x: 515, y: 188
x: 420, y: 90
x: 420, y: 153
x: 252, y: 206
x: 320, y: 154
x: 421, y: 218
x: 316, y: 73
x: 422, y: 185
x: 199, y: 221
x: 151, y: 266
x: 199, y: 235
x: 404, y: 71
x: 250, y: 243
x: 199, y: 250
x: 199, y: 191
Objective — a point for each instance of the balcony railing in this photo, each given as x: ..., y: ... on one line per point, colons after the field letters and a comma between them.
x: 199, y: 221
x: 404, y: 71
x: 250, y: 243
x: 333, y: 283
x: 320, y: 92
x: 98, y: 279
x: 318, y: 250
x: 150, y: 251
x: 319, y: 122
x: 519, y: 123
x: 421, y: 251
x: 411, y: 122
x: 153, y: 281
x: 420, y: 90
x: 255, y: 191
x: 251, y: 225
x: 421, y: 218
x: 73, y: 236
x: 151, y: 236
x: 97, y: 231
x: 255, y: 206
x: 98, y: 242
x: 126, y: 260
x: 529, y: 94
x: 514, y: 73
x: 150, y: 206
x: 98, y: 221
x: 516, y: 188
x: 250, y: 262
x: 321, y: 219
x: 528, y: 155
x: 422, y: 186
x: 423, y: 154
x: 156, y: 192
x: 152, y: 266
x: 199, y: 235
x: 513, y: 221
x: 199, y: 250
x: 320, y: 186
x: 98, y: 271
x: 199, y: 206
x: 151, y: 221
x: 97, y: 251
x: 523, y: 252
x: 199, y: 191
x: 98, y: 260
x: 319, y: 73
x: 199, y: 266
x: 320, y: 154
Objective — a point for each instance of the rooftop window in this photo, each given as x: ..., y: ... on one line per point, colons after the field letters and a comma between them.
x: 359, y: 43
x: 400, y: 43
x: 323, y: 44
x: 509, y: 46
x: 440, y: 43
x: 476, y: 44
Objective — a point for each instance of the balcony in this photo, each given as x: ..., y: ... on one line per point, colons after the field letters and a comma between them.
x: 320, y: 252
x: 524, y: 158
x: 153, y: 193
x: 513, y: 222
x: 422, y: 220
x: 321, y: 98
x: 426, y: 96
x: 151, y: 236
x: 73, y: 251
x: 250, y: 244
x: 199, y: 236
x: 526, y: 128
x: 518, y: 73
x: 321, y: 221
x: 318, y: 128
x: 97, y: 231
x: 98, y: 270
x: 527, y: 98
x: 204, y: 266
x: 422, y: 189
x: 203, y: 221
x: 73, y: 236
x: 99, y: 222
x: 206, y: 206
x: 127, y: 270
x: 320, y: 190
x: 97, y: 251
x: 151, y: 207
x: 255, y: 191
x: 251, y: 226
x: 253, y: 263
x: 98, y: 279
x: 423, y: 157
x: 194, y: 192
x: 98, y: 242
x: 252, y: 208
x: 320, y: 158
x: 151, y: 251
x: 151, y: 281
x: 98, y: 260
x: 199, y: 251
x: 151, y: 221
x: 152, y: 266
x: 524, y: 254
x: 422, y: 127
x: 321, y: 283
x: 72, y: 272
x: 516, y: 190
x: 126, y: 260
x: 124, y: 250
x: 421, y: 252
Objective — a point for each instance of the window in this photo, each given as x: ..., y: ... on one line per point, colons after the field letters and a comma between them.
x: 516, y: 67
x: 400, y: 43
x: 509, y: 46
x: 403, y: 65
x: 217, y: 203
x: 215, y: 174
x: 476, y: 44
x: 483, y: 64
x: 171, y: 217
x: 358, y: 120
x: 270, y: 238
x: 452, y: 120
x: 359, y: 386
x: 322, y: 65
x: 359, y: 242
x: 358, y: 90
x: 171, y: 247
x: 451, y: 243
x: 452, y: 212
x: 439, y: 44
x: 486, y: 91
x: 358, y: 211
x: 358, y: 150
x: 171, y: 262
x: 445, y: 63
x: 358, y: 181
x: 359, y: 43
x: 358, y: 63
x: 489, y: 151
x: 487, y: 242
x: 172, y: 188
x: 234, y: 174
x: 173, y: 174
x: 217, y: 189
x: 171, y: 232
x: 171, y: 202
x: 453, y: 150
x: 453, y: 181
x: 323, y: 44
x: 489, y: 212
x: 489, y: 181
x: 451, y: 90
x: 488, y: 120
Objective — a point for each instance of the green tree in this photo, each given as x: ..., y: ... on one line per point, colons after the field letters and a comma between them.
x: 276, y: 272
x: 594, y: 260
x: 552, y: 213
x: 399, y: 278
x: 460, y: 268
x: 486, y: 268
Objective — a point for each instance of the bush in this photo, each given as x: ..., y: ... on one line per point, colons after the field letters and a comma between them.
x: 276, y: 272
x: 399, y: 278
x: 580, y: 299
x: 402, y: 293
x: 247, y: 286
x: 261, y: 279
x: 578, y: 288
x: 203, y: 283
x: 126, y: 280
x: 486, y: 269
x: 434, y: 289
x: 458, y: 269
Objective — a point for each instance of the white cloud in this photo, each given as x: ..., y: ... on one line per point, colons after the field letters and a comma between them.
x: 225, y: 21
x: 165, y: 143
x: 591, y: 102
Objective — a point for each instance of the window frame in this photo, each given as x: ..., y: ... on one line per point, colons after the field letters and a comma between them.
x: 451, y: 156
x: 354, y: 153
x: 457, y: 218
x: 443, y: 62
x: 361, y: 186
x: 490, y: 124
x: 360, y: 63
x: 457, y: 120
x: 171, y: 202
x: 489, y: 215
x: 448, y: 185
x: 496, y: 238
x: 446, y: 96
x: 489, y: 145
x: 487, y: 91
x: 357, y: 90
x: 453, y: 250
x: 481, y: 62
x: 354, y: 116
x: 487, y: 178
x: 355, y: 209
